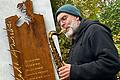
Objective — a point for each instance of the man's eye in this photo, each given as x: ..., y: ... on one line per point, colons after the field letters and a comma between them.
x: 64, y: 18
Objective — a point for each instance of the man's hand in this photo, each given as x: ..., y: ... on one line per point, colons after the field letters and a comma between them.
x: 64, y: 72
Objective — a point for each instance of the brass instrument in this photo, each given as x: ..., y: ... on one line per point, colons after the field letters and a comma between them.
x: 57, y: 58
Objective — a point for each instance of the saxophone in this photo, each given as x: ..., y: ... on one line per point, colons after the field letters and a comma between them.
x: 55, y: 54
x: 58, y: 60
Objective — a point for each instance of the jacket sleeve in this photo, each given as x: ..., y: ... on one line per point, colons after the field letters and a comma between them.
x: 105, y: 65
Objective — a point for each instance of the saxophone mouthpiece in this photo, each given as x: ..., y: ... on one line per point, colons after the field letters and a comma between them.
x: 62, y: 31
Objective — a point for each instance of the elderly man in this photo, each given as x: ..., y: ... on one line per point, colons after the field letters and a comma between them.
x: 93, y: 55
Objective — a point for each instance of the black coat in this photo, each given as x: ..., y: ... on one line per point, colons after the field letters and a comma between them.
x: 93, y: 55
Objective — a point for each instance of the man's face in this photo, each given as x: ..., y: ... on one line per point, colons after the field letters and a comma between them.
x: 68, y: 22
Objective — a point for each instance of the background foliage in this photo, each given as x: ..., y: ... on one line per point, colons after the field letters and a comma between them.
x: 110, y: 15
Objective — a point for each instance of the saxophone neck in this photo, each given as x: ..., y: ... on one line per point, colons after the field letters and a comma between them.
x: 62, y: 31
x: 51, y: 33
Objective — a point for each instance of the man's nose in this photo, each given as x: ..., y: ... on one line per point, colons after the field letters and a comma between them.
x: 63, y: 24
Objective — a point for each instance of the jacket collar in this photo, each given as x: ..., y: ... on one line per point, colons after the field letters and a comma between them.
x: 84, y: 24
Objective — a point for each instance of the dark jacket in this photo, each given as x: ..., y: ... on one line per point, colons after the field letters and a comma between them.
x: 93, y: 55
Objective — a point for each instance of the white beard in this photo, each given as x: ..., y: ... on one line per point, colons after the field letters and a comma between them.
x: 73, y: 27
x: 69, y: 33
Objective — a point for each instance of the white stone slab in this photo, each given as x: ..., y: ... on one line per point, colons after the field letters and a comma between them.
x: 9, y: 8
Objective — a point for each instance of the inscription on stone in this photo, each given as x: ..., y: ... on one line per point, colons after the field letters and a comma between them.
x: 35, y: 70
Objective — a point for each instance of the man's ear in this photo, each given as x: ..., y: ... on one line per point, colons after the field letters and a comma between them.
x: 77, y: 18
